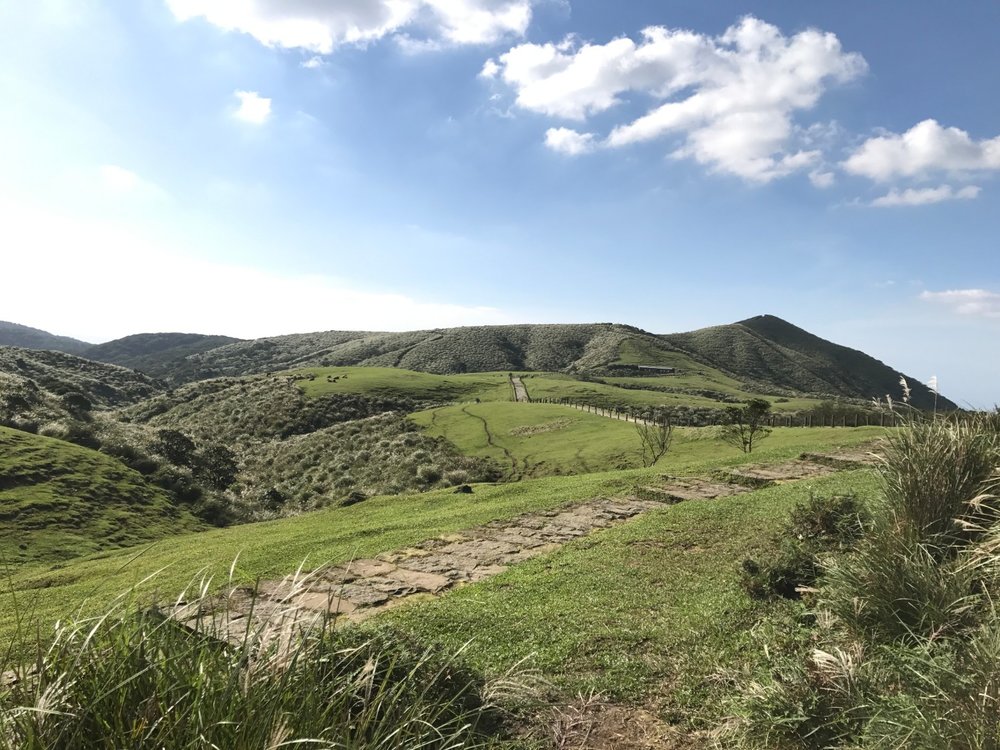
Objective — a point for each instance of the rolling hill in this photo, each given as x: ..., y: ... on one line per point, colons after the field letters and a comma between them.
x: 156, y: 354
x: 14, y: 334
x: 769, y: 350
x: 59, y: 501
x: 763, y: 354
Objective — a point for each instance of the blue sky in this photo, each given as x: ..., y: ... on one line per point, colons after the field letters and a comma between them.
x: 257, y: 167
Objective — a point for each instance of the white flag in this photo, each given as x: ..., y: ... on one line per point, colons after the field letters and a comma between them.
x: 932, y: 384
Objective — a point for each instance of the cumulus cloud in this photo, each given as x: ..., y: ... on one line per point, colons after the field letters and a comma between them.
x: 568, y: 141
x: 320, y: 26
x: 924, y: 149
x: 729, y: 100
x: 253, y: 108
x: 973, y: 302
x: 924, y: 196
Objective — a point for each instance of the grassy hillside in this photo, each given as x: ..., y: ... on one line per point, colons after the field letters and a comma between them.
x: 442, y: 351
x: 381, y: 455
x: 59, y: 501
x: 761, y: 355
x: 768, y: 350
x: 242, y: 411
x: 398, y: 382
x: 156, y: 354
x: 102, y: 384
x: 534, y: 440
x: 648, y: 613
x: 333, y: 535
x: 14, y: 334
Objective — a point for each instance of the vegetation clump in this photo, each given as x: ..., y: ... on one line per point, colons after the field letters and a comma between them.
x: 906, y: 644
x: 136, y: 678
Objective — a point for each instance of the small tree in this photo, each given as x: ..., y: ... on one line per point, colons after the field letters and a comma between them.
x: 746, y: 425
x: 654, y: 439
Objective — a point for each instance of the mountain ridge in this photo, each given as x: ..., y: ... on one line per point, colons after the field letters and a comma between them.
x: 764, y: 351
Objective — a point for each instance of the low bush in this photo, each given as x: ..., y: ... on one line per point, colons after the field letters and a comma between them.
x: 905, y: 652
x: 135, y: 678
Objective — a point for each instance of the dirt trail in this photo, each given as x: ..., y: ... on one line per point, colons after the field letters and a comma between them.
x: 360, y: 589
x: 520, y: 392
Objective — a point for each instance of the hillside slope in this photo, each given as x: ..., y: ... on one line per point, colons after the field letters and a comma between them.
x: 58, y: 500
x: 767, y: 349
x: 14, y: 334
x: 102, y: 384
x: 442, y: 351
x: 156, y: 354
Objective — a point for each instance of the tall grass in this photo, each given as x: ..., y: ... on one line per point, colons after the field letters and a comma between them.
x: 137, y: 678
x: 906, y: 652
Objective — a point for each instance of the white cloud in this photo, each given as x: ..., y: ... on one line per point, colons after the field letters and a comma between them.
x: 313, y: 63
x: 924, y: 196
x: 729, y: 100
x: 253, y: 108
x: 490, y: 69
x: 822, y: 180
x: 972, y: 302
x: 322, y: 25
x: 104, y: 280
x: 924, y: 149
x: 568, y: 141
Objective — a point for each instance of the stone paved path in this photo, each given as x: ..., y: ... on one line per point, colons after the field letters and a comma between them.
x: 362, y: 588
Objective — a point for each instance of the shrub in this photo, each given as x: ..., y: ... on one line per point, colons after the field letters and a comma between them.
x: 136, y: 678
x: 456, y: 477
x: 428, y: 473
x: 908, y: 650
x: 816, y: 526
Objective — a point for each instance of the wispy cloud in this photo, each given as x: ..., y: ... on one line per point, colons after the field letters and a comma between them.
x: 321, y: 26
x: 972, y: 302
x: 925, y: 196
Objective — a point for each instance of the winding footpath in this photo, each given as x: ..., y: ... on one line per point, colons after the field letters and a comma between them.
x: 363, y: 588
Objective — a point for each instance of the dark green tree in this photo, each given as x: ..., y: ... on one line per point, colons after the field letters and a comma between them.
x: 746, y: 425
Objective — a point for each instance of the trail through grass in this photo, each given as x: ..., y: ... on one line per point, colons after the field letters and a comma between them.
x: 643, y: 612
x: 533, y: 440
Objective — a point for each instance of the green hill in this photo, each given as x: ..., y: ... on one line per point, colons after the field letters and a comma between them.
x: 44, y: 387
x: 763, y: 354
x: 768, y: 350
x: 156, y: 354
x: 14, y: 334
x: 59, y: 501
x: 103, y: 385
x: 441, y: 351
x: 759, y: 355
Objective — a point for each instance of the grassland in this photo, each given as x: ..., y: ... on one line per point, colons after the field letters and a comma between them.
x: 333, y: 535
x: 59, y: 501
x: 393, y: 382
x: 533, y: 440
x: 689, y: 388
x: 643, y: 613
